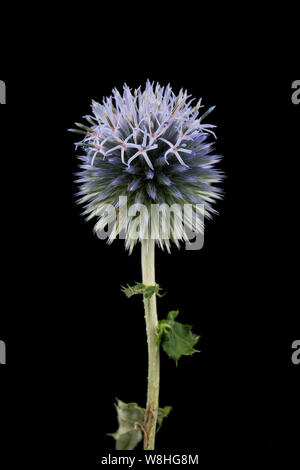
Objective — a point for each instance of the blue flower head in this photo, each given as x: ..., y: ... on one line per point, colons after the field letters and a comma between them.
x: 146, y: 149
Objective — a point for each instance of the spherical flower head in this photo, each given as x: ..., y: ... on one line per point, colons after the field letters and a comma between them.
x: 148, y: 149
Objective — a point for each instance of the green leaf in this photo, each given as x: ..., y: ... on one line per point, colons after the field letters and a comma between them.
x: 140, y: 288
x: 162, y: 413
x: 175, y: 338
x: 172, y: 315
x: 131, y: 419
x: 129, y: 434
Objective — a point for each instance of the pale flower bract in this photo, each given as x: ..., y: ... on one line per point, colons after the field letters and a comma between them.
x: 152, y: 147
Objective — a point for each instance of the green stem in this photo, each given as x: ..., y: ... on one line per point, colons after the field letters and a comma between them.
x: 148, y: 270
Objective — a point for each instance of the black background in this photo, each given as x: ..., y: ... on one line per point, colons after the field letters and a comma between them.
x: 74, y: 342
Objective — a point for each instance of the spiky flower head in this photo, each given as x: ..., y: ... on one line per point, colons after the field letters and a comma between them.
x: 145, y: 149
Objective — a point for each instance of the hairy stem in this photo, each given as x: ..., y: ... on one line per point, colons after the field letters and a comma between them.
x: 148, y: 270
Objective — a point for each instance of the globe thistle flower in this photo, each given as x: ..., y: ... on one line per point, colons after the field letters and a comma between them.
x: 145, y: 148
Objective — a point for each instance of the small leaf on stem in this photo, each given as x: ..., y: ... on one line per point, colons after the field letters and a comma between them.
x: 162, y: 413
x: 129, y: 434
x: 175, y: 338
x: 140, y: 288
x: 131, y: 424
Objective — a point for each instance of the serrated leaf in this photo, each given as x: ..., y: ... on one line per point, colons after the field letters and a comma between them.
x: 128, y: 435
x: 175, y: 338
x: 131, y: 420
x: 140, y: 288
